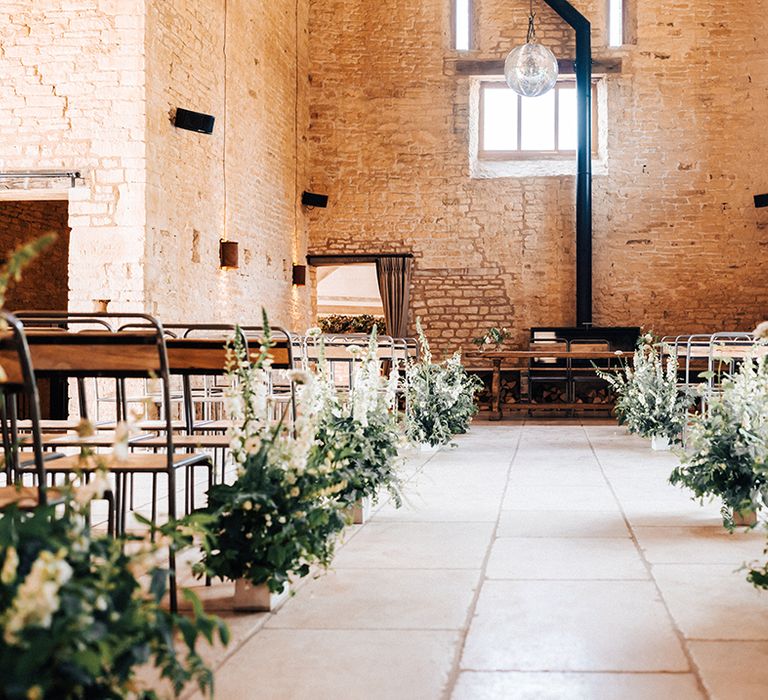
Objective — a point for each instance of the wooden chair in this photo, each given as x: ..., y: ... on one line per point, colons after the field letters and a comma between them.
x: 140, y: 353
x: 18, y: 379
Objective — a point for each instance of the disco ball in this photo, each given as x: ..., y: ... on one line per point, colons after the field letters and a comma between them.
x: 531, y: 70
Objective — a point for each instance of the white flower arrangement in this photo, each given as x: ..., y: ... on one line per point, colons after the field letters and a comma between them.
x: 440, y: 398
x: 360, y: 432
x: 648, y: 399
x: 726, y: 453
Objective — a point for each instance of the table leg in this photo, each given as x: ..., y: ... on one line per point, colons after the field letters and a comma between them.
x: 496, y: 412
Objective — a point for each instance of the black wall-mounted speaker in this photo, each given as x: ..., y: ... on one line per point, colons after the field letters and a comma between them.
x: 761, y: 201
x: 311, y: 199
x: 193, y: 121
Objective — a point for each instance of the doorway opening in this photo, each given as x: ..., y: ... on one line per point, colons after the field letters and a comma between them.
x: 44, y: 285
x: 348, y: 298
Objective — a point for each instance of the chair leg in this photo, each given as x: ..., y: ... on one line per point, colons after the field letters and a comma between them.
x: 118, y: 504
x: 124, y: 512
x: 172, y: 593
x: 153, y: 516
x: 109, y: 497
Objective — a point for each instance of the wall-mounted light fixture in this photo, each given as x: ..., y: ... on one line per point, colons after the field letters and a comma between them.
x: 299, y: 275
x: 229, y: 258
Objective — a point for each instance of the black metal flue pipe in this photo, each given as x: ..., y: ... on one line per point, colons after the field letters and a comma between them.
x: 583, y: 70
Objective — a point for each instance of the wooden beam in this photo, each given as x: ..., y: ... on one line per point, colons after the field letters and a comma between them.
x: 470, y: 67
x: 321, y: 260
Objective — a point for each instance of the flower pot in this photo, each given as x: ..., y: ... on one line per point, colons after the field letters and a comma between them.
x: 250, y: 598
x: 661, y: 443
x: 360, y: 511
x: 745, y: 518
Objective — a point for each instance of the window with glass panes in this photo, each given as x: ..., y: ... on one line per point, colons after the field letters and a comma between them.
x: 513, y: 127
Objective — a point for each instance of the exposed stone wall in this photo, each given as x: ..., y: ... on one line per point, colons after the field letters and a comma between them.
x: 265, y: 121
x: 45, y: 283
x: 72, y: 97
x: 90, y: 85
x: 677, y: 241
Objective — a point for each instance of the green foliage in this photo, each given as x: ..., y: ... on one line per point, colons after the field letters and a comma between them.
x: 440, y: 398
x: 360, y: 434
x: 281, y: 515
x: 494, y: 336
x: 274, y: 522
x: 342, y: 323
x: 727, y: 448
x: 648, y: 400
x: 76, y: 622
x: 19, y: 259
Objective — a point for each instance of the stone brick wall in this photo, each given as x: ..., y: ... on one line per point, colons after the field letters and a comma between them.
x: 72, y: 97
x: 264, y: 120
x: 90, y: 85
x: 45, y: 283
x: 678, y: 244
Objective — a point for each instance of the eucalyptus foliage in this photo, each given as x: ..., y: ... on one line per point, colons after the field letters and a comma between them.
x: 727, y: 448
x: 440, y: 397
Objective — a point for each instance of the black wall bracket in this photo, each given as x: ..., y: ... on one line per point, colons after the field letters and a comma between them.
x: 583, y: 69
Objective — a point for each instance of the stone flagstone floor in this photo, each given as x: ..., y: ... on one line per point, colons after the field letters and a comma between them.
x: 535, y: 560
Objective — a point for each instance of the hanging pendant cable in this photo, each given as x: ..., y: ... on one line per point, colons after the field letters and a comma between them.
x: 225, y: 236
x: 531, y: 26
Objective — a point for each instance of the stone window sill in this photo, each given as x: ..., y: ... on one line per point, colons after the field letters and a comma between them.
x: 488, y: 169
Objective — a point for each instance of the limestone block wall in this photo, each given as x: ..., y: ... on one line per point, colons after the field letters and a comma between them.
x: 678, y: 244
x: 262, y: 109
x: 91, y: 85
x: 72, y: 97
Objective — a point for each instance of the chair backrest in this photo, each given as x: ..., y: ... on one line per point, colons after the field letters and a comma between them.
x: 548, y: 345
x: 18, y: 377
x: 199, y: 350
x: 590, y: 345
x: 136, y: 350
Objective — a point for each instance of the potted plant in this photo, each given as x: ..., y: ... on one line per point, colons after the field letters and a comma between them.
x: 727, y: 448
x: 281, y: 515
x: 80, y: 612
x: 493, y: 339
x: 440, y: 398
x: 648, y: 399
x: 360, y: 433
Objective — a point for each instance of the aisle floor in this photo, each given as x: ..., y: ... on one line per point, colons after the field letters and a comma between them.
x: 533, y: 560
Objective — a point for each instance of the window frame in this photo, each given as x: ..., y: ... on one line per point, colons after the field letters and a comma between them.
x: 519, y: 154
x: 609, y: 17
x: 470, y: 26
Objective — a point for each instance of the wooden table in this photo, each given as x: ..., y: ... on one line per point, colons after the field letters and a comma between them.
x: 496, y: 358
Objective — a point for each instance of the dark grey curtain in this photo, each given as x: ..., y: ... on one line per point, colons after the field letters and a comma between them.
x: 394, y: 275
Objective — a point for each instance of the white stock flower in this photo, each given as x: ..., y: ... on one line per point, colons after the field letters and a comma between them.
x: 761, y: 332
x: 10, y: 565
x: 298, y: 376
x: 95, y: 488
x: 314, y: 332
x: 37, y: 598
